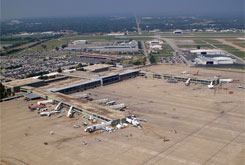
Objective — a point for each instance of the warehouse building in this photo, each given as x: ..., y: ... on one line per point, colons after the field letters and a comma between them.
x: 213, y: 61
x: 178, y: 31
x: 79, y: 42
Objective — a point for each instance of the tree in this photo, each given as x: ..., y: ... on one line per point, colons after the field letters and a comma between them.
x: 152, y: 59
x: 139, y: 45
x: 79, y: 65
x: 63, y: 46
x: 56, y: 48
x: 3, y: 93
x: 44, y: 46
x: 144, y: 61
x: 5, y: 47
x: 59, y: 70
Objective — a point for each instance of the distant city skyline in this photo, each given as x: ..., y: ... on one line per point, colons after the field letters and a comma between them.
x: 61, y: 8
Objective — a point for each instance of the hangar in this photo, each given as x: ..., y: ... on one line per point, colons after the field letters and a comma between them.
x: 213, y: 61
x: 207, y: 52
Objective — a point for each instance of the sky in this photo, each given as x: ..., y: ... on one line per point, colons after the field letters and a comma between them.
x: 67, y: 8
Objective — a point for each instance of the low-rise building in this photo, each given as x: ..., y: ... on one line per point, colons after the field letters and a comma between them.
x: 207, y: 52
x: 155, y: 44
x: 80, y: 42
x: 213, y: 61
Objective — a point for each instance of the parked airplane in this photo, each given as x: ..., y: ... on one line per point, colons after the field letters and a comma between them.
x: 110, y: 103
x: 196, y: 74
x: 225, y: 80
x: 100, y: 101
x: 93, y: 128
x: 44, y: 102
x: 32, y: 107
x: 240, y: 86
x: 48, y: 113
x: 117, y: 106
x: 185, y: 72
x: 133, y: 120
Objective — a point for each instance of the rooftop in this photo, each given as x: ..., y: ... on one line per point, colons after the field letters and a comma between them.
x: 97, y: 66
x: 206, y: 50
x: 22, y: 82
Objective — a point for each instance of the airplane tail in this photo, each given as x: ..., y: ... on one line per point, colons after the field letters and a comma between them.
x: 196, y: 74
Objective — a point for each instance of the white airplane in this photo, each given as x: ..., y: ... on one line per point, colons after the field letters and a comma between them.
x: 132, y: 120
x: 48, y: 113
x: 185, y: 72
x: 96, y: 127
x: 110, y: 103
x: 101, y: 101
x: 226, y: 80
x: 240, y: 86
x: 44, y: 102
x: 117, y: 106
x: 211, y: 86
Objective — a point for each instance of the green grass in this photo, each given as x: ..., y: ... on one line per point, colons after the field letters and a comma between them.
x: 166, y: 52
x: 235, y: 67
x: 239, y: 44
x: 13, y: 42
x: 195, y: 46
x: 229, y: 49
x: 202, y: 35
x: 52, y: 44
x: 138, y: 38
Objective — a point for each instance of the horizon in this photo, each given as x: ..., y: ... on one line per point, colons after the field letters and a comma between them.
x: 15, y: 9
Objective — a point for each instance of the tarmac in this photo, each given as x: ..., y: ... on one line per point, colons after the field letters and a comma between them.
x: 185, y: 125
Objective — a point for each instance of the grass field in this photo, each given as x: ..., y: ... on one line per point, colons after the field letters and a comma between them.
x: 14, y: 42
x: 195, y: 46
x: 237, y: 42
x: 203, y: 35
x: 203, y: 43
x: 228, y: 48
x: 52, y: 44
x: 166, y: 52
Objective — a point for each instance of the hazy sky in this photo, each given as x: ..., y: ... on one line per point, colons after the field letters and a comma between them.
x: 53, y: 8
